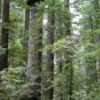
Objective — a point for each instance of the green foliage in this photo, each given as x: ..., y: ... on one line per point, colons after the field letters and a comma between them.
x: 11, y: 83
x: 2, y: 50
x: 16, y: 53
x: 85, y: 55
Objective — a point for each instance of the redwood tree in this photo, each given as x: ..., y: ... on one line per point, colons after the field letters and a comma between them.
x: 34, y: 54
x: 4, y: 35
x: 50, y: 56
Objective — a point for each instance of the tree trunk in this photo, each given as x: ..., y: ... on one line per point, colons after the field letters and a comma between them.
x: 97, y: 26
x: 26, y: 38
x: 50, y: 56
x: 34, y: 56
x: 68, y: 66
x: 0, y: 8
x: 5, y: 35
x: 27, y: 20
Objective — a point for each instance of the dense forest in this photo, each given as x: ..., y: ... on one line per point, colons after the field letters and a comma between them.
x: 49, y: 49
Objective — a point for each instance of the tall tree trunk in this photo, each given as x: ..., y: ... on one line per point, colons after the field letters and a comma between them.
x: 34, y: 56
x: 0, y: 17
x: 5, y: 35
x: 68, y: 67
x: 27, y: 20
x: 26, y: 38
x: 50, y: 56
x: 97, y: 26
x: 0, y: 8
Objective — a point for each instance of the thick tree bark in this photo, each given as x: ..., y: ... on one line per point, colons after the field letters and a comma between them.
x: 5, y: 35
x: 50, y: 56
x: 34, y: 56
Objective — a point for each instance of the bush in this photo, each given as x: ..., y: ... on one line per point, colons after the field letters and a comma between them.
x: 11, y: 83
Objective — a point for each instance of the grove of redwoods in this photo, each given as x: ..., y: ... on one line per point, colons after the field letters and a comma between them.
x: 49, y: 49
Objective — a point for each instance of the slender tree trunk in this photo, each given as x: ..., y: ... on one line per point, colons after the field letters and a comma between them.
x: 71, y: 81
x: 0, y: 17
x: 26, y: 38
x: 50, y: 56
x: 61, y: 72
x: 97, y: 26
x: 68, y: 69
x: 5, y: 35
x: 27, y: 20
x: 0, y: 8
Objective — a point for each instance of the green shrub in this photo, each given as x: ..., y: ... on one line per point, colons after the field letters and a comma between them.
x: 11, y: 83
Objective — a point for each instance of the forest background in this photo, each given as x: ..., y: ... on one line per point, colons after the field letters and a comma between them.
x: 49, y: 49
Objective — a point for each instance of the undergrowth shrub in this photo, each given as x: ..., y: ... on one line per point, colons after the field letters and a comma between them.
x: 11, y: 83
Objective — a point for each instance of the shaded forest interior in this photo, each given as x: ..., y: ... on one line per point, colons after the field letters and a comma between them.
x: 49, y: 49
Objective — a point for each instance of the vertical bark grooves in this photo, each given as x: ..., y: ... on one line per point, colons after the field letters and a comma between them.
x: 4, y: 35
x: 31, y: 45
x: 27, y: 15
x: 34, y: 55
x: 27, y: 20
x: 26, y: 37
x: 50, y: 56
